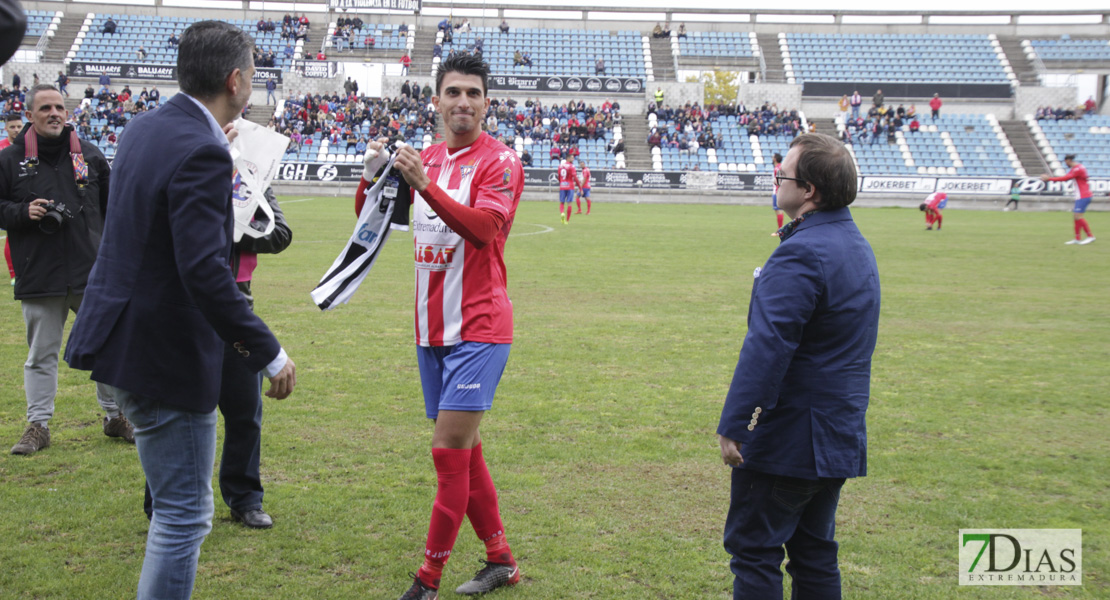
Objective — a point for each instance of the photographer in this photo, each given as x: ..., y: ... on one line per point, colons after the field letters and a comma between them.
x: 53, y: 194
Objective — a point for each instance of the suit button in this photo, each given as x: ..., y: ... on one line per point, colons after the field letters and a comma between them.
x: 751, y: 427
x: 237, y: 345
x: 758, y: 410
x: 245, y: 353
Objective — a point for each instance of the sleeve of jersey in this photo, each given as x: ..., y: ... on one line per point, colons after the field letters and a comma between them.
x: 360, y: 195
x: 1065, y: 177
x: 478, y: 225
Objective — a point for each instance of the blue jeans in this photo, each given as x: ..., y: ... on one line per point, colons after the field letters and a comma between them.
x: 768, y: 512
x: 177, y: 449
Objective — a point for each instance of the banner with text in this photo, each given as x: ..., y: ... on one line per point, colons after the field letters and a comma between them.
x: 316, y: 69
x: 412, y: 6
x: 122, y: 70
x: 591, y: 85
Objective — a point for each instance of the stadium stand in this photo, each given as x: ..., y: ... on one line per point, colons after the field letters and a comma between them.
x: 1088, y: 137
x: 717, y: 44
x: 559, y: 126
x: 743, y: 141
x: 902, y: 57
x: 41, y: 21
x: 1067, y: 49
x: 952, y: 145
x: 151, y: 33
x: 556, y: 52
x: 321, y: 128
x: 385, y: 36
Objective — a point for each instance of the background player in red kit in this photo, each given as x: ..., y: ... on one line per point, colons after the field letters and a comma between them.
x: 777, y: 161
x: 468, y: 189
x: 13, y: 124
x: 583, y: 187
x: 932, y: 207
x: 568, y: 181
x: 1077, y: 172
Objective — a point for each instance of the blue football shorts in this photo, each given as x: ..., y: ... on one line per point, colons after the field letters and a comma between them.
x: 775, y: 201
x: 585, y: 193
x: 1081, y: 205
x: 460, y: 377
x: 566, y: 195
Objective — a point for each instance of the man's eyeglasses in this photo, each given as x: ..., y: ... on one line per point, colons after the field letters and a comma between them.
x: 779, y: 178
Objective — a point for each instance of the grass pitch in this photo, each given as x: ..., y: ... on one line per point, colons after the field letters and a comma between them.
x: 989, y: 410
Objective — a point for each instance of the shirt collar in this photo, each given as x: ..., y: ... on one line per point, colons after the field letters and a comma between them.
x: 213, y: 125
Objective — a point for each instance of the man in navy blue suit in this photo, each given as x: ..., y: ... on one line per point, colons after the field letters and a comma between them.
x: 793, y: 425
x: 162, y: 302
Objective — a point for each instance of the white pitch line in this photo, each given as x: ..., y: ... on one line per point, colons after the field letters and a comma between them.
x: 292, y: 201
x: 546, y: 229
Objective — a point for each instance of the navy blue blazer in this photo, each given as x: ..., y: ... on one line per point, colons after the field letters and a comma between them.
x: 161, y: 299
x: 801, y: 387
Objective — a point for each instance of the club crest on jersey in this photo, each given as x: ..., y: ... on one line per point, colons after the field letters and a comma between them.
x: 466, y: 170
x: 507, y: 177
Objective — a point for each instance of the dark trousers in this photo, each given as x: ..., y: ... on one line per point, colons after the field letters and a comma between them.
x: 241, y: 405
x: 768, y: 512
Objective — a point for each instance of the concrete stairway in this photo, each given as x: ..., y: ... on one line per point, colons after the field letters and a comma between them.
x: 662, y: 60
x: 422, y: 52
x: 1025, y: 148
x: 1023, y: 67
x: 636, y: 152
x: 772, y: 55
x: 62, y: 41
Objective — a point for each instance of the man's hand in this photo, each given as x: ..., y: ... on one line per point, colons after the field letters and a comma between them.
x: 231, y: 132
x: 409, y: 164
x: 1046, y: 177
x: 36, y: 210
x: 282, y: 384
x: 730, y: 451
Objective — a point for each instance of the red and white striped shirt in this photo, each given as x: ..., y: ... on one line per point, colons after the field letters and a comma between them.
x: 461, y: 290
x: 1079, y: 173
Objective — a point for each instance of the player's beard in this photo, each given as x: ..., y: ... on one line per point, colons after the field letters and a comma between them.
x: 462, y: 126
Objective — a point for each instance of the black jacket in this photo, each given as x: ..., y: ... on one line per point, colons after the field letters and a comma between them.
x: 272, y: 243
x: 48, y: 265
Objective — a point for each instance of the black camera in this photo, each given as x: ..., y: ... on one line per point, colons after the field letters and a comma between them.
x: 56, y: 213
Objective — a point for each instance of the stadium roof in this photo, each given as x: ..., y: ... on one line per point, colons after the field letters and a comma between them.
x: 880, y: 6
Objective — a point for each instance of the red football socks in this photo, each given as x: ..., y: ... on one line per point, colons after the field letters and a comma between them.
x: 1078, y: 229
x: 1082, y: 223
x: 779, y: 217
x: 483, y: 511
x: 939, y: 220
x: 578, y: 203
x: 587, y: 206
x: 452, y: 497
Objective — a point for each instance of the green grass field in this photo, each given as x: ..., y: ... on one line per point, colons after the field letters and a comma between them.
x: 989, y: 410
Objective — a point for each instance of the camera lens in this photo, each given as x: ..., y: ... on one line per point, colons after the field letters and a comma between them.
x: 51, y: 222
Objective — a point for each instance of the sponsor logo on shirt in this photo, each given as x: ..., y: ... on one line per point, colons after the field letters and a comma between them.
x: 434, y: 257
x: 468, y: 386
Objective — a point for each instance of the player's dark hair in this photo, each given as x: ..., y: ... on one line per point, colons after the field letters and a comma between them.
x: 777, y: 158
x: 36, y: 90
x: 825, y: 164
x: 467, y: 64
x: 922, y: 207
x: 208, y: 52
x: 13, y: 116
x: 1069, y: 157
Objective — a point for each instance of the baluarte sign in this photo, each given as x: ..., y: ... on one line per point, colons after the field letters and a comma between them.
x: 160, y: 72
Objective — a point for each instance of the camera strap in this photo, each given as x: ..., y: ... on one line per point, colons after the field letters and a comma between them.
x: 80, y: 167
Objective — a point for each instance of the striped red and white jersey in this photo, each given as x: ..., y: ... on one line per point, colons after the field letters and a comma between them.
x: 461, y: 290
